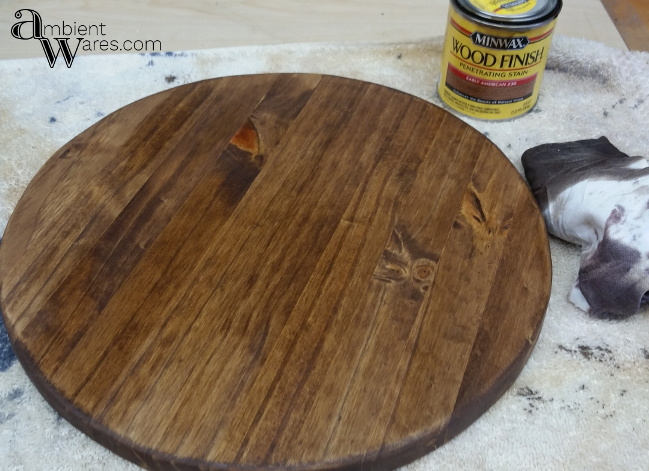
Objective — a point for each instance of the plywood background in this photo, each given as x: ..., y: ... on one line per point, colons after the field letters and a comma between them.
x: 199, y: 24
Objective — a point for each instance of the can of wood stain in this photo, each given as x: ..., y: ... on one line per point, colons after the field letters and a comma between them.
x: 494, y: 56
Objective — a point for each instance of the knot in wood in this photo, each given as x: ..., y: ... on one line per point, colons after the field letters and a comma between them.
x: 423, y: 270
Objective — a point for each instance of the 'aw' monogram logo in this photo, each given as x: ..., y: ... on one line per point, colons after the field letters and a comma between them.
x: 36, y: 32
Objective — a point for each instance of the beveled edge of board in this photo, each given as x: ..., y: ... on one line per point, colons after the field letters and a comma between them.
x: 399, y: 454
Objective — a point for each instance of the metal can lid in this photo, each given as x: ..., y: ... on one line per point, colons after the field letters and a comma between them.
x: 511, y: 11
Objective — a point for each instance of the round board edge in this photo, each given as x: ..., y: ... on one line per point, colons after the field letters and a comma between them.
x: 152, y: 459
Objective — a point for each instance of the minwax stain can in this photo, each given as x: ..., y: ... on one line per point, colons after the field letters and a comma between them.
x: 495, y: 53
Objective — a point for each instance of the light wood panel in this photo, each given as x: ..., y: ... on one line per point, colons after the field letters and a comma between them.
x: 200, y: 24
x: 273, y: 272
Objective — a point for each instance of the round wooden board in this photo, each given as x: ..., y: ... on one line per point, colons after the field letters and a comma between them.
x: 275, y: 271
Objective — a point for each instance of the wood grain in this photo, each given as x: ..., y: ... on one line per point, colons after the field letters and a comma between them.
x: 275, y: 271
x: 631, y: 18
x: 204, y: 24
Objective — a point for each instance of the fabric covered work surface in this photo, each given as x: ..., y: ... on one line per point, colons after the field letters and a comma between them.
x: 581, y: 401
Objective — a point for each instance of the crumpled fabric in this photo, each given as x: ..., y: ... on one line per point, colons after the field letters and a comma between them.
x: 596, y: 196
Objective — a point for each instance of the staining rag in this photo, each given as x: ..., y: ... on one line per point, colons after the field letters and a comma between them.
x: 596, y: 196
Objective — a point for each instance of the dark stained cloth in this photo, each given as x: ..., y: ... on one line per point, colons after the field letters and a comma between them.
x: 594, y: 195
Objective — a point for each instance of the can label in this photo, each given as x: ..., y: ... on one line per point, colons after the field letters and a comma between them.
x: 504, y: 7
x: 492, y: 73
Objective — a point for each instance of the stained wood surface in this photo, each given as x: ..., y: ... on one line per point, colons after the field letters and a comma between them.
x: 631, y: 18
x: 275, y: 271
